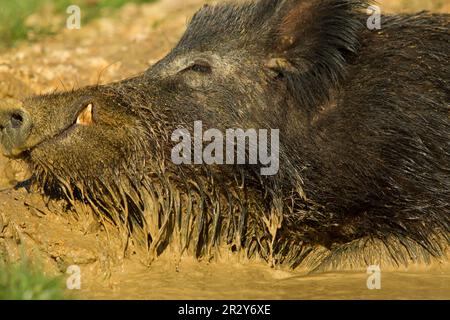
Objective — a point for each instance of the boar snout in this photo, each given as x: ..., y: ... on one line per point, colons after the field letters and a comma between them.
x: 15, y: 127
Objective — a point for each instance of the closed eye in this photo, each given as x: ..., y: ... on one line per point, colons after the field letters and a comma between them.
x: 199, y: 66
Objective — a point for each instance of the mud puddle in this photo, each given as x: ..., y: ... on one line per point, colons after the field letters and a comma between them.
x: 257, y: 281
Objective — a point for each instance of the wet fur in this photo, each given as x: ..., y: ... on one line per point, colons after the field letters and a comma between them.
x: 365, y: 141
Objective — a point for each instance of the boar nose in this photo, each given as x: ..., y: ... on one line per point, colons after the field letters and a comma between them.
x: 15, y: 127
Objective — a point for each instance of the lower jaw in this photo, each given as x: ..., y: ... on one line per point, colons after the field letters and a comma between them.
x: 13, y: 153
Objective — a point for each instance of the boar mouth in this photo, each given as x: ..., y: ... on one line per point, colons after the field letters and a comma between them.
x: 20, y: 153
x: 84, y: 118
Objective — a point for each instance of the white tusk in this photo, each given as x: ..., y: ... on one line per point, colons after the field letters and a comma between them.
x: 85, y: 117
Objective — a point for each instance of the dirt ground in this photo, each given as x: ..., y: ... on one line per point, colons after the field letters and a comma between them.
x: 110, y: 49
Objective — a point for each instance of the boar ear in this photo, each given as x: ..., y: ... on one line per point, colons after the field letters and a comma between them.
x: 312, y: 43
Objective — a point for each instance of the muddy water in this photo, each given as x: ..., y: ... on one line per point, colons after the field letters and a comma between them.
x: 58, y: 241
x: 257, y: 281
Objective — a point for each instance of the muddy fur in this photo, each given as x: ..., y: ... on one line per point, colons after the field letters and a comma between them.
x: 364, y: 139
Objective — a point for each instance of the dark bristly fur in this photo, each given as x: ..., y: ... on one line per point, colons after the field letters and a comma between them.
x: 364, y: 128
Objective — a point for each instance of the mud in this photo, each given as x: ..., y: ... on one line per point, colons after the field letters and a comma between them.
x: 113, y: 48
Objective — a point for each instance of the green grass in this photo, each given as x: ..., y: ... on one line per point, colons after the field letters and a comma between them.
x: 25, y: 282
x: 14, y: 14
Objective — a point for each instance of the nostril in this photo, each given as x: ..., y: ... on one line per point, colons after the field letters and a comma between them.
x: 16, y: 120
x: 15, y: 129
